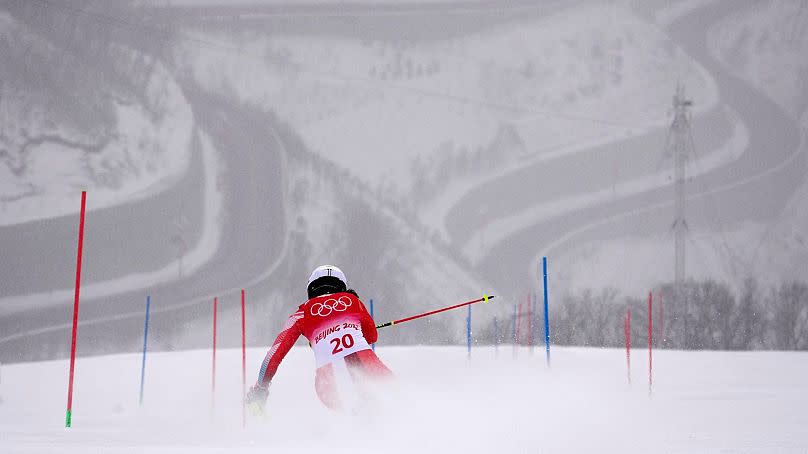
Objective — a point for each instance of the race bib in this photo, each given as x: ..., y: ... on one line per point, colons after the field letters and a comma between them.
x: 338, y: 341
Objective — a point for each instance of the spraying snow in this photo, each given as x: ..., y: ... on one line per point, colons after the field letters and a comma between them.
x: 507, y: 401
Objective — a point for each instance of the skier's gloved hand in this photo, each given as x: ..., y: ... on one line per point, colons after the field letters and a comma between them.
x: 257, y: 399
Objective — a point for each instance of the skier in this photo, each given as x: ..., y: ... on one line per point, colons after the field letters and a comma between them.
x: 339, y: 330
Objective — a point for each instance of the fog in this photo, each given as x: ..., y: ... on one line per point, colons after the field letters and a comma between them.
x: 434, y: 150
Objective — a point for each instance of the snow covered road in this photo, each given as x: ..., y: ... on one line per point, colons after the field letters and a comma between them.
x: 756, y: 186
x: 253, y: 240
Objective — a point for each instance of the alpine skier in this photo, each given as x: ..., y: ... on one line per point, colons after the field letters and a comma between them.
x: 339, y: 330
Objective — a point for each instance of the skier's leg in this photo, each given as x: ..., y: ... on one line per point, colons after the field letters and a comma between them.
x: 369, y: 364
x: 358, y: 376
x: 370, y: 377
x: 326, y: 386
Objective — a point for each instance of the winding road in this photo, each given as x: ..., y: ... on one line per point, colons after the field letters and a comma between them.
x: 254, y: 226
x: 252, y: 242
x: 254, y: 233
x: 755, y: 187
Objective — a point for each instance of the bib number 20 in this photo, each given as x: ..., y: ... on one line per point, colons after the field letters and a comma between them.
x: 346, y: 341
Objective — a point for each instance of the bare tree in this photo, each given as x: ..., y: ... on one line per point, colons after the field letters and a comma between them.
x: 698, y: 315
x: 680, y: 318
x: 590, y: 318
x: 716, y: 315
x: 790, y: 320
x: 751, y: 327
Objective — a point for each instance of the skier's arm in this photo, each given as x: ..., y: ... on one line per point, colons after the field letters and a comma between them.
x: 368, y: 326
x: 283, y: 343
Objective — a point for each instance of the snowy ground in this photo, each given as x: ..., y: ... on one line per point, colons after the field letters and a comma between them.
x: 505, y: 402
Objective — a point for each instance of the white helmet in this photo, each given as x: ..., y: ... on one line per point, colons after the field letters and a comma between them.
x: 326, y: 279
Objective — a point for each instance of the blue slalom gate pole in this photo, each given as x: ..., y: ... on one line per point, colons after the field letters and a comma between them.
x: 546, y: 312
x: 468, y: 332
x: 535, y: 321
x: 373, y: 345
x: 531, y: 325
x: 515, y: 336
x: 145, y: 340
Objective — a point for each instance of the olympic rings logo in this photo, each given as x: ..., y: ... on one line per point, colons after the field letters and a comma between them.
x: 330, y: 305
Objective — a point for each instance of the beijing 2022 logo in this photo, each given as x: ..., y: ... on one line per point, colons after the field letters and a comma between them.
x: 330, y: 305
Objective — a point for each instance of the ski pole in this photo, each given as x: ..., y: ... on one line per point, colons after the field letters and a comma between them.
x: 145, y: 343
x: 485, y: 298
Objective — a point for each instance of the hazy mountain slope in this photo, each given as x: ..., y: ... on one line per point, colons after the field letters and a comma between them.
x: 765, y: 45
x: 410, y: 117
x: 115, y: 124
x: 334, y: 218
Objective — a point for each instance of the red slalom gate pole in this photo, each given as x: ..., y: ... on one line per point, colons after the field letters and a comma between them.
x: 515, y: 331
x: 530, y: 322
x: 484, y: 299
x: 661, y: 303
x: 213, y: 368
x: 243, y: 363
x: 650, y: 341
x: 69, y: 413
x: 627, y: 329
x: 519, y: 325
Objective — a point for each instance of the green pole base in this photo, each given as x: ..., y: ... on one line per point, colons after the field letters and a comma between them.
x: 68, y: 418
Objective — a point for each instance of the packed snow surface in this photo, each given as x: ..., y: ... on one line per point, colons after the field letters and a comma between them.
x: 499, y: 401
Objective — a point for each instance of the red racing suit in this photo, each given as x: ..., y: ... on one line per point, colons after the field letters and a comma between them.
x: 340, y: 331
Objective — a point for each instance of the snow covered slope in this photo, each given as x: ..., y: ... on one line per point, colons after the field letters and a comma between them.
x: 506, y: 402
x: 765, y: 45
x: 409, y: 117
x: 121, y: 129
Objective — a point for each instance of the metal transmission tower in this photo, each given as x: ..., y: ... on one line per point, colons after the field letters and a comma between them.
x: 679, y: 144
